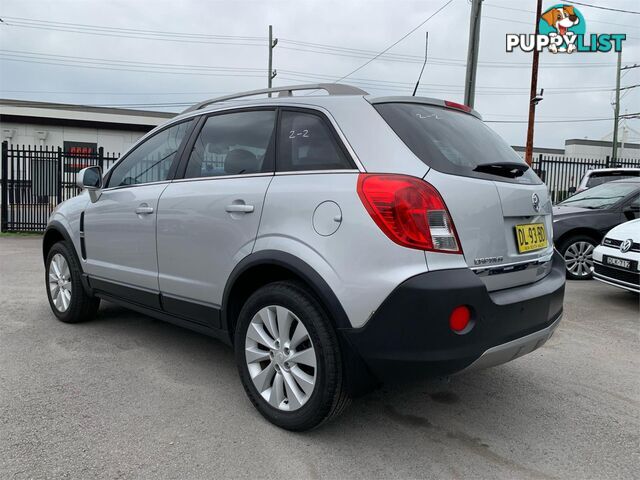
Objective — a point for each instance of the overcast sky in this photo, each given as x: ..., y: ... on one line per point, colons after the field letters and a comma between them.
x: 43, y: 60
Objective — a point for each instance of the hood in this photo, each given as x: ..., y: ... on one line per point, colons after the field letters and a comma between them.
x: 560, y: 210
x: 629, y: 229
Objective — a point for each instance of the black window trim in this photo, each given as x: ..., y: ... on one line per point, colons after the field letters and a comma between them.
x: 202, y: 118
x: 174, y: 165
x: 199, y: 124
x: 332, y: 131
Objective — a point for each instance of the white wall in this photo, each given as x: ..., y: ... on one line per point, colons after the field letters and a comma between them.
x: 113, y: 141
x: 596, y: 151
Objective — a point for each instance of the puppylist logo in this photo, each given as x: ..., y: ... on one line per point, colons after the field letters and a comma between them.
x: 562, y: 29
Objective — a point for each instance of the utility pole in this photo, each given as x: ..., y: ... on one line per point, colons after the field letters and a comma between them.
x: 616, y: 113
x: 271, y: 73
x: 528, y: 153
x: 472, y: 53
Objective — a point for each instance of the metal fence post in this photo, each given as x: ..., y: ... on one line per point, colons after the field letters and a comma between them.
x: 59, y: 174
x: 101, y: 158
x: 4, y: 214
x: 607, y: 161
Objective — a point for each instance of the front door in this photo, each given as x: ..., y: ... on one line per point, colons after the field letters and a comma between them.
x: 120, y: 227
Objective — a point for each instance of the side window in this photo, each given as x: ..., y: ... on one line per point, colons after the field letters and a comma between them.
x: 233, y: 144
x: 306, y: 143
x: 151, y: 160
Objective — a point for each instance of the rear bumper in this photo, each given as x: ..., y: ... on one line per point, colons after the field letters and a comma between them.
x: 409, y: 335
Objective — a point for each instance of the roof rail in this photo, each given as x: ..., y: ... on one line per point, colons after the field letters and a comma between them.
x: 330, y: 88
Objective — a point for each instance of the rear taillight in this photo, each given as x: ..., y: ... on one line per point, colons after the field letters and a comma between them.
x: 409, y: 211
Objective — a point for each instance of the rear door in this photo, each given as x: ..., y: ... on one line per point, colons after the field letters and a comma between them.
x: 208, y: 220
x: 487, y: 187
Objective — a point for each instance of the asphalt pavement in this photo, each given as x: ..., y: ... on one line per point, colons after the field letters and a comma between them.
x: 126, y: 396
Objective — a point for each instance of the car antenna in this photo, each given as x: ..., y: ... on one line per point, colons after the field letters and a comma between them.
x: 426, y: 50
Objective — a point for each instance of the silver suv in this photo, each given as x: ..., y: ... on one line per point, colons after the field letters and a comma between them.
x: 335, y: 241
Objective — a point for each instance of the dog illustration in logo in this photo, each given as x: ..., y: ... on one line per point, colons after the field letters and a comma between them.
x: 562, y: 19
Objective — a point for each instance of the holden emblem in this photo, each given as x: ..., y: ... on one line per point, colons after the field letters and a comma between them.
x: 535, y: 201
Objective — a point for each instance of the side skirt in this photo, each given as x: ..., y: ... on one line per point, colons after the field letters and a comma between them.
x: 151, y: 304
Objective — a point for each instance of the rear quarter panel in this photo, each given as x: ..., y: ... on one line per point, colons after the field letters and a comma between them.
x: 358, y: 262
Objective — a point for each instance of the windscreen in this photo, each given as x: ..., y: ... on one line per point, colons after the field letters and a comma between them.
x: 455, y: 142
x: 602, y: 196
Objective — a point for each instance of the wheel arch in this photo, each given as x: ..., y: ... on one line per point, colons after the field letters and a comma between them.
x: 54, y: 233
x: 267, y: 266
x: 589, y: 232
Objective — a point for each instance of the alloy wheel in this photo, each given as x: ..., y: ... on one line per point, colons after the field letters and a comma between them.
x: 281, y: 358
x: 60, y: 282
x: 578, y: 258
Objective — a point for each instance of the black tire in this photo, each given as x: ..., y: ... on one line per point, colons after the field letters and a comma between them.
x: 81, y: 307
x: 329, y: 396
x: 568, y: 242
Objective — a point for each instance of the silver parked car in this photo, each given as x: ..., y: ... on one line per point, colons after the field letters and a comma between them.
x: 335, y: 241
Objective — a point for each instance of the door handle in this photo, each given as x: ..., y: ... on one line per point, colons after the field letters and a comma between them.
x: 144, y: 210
x: 239, y: 207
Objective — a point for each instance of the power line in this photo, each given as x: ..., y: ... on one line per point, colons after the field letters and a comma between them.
x: 628, y: 116
x: 606, y: 8
x: 135, y: 31
x: 530, y: 24
x: 395, y: 43
x: 71, y: 60
x: 75, y: 92
x: 230, y: 41
x: 104, y: 61
x: 501, y: 7
x: 298, y: 45
x: 164, y: 68
x: 115, y: 68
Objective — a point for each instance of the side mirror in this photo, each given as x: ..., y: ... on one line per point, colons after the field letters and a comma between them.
x: 90, y: 178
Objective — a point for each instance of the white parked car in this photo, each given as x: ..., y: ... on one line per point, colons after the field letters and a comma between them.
x: 617, y: 260
x: 603, y: 175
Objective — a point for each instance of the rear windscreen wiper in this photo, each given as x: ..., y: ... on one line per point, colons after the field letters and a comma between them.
x: 503, y: 169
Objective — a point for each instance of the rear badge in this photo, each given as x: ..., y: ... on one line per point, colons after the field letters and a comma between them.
x: 535, y: 201
x: 487, y: 260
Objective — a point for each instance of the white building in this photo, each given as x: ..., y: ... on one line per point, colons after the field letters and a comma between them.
x: 582, y: 148
x: 74, y: 127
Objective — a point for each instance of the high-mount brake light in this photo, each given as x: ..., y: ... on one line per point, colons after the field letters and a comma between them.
x: 458, y: 106
x: 409, y: 211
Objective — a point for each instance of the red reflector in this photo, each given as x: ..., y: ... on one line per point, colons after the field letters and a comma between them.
x: 458, y: 106
x: 459, y: 318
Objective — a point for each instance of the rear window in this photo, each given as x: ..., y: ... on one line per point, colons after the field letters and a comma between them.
x: 453, y: 142
x: 598, y: 178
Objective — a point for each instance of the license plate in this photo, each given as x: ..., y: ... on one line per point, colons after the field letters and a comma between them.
x: 618, y: 262
x: 530, y: 237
